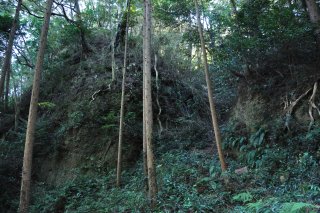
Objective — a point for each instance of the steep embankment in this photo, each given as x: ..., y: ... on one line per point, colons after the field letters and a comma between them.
x: 77, y: 130
x: 77, y: 127
x: 80, y: 112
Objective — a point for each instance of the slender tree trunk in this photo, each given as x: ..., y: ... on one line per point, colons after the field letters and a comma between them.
x: 152, y: 182
x: 16, y: 108
x: 144, y: 151
x: 122, y: 99
x: 190, y: 56
x: 113, y: 60
x: 6, y: 95
x: 28, y: 149
x: 190, y: 43
x: 314, y: 14
x: 198, y: 50
x: 8, y: 55
x: 210, y: 93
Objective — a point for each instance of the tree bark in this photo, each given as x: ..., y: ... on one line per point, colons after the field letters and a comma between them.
x: 113, y: 61
x: 210, y: 93
x: 16, y: 108
x: 152, y: 183
x: 28, y: 149
x: 6, y: 95
x: 122, y: 99
x: 314, y: 14
x: 8, y: 55
x: 144, y: 151
x: 190, y: 43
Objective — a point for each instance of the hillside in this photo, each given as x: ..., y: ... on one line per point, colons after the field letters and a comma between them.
x: 263, y: 62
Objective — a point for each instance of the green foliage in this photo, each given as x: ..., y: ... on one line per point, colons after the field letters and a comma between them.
x: 5, y: 26
x: 111, y: 121
x: 262, y: 38
x: 85, y: 194
x: 275, y: 205
x: 298, y: 207
x: 313, y: 135
x: 243, y: 197
x: 75, y: 119
x: 5, y: 23
x: 252, y: 151
x: 47, y: 105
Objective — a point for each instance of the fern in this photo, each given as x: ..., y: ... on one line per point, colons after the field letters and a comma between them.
x: 46, y: 105
x: 294, y: 207
x: 243, y: 197
x: 256, y: 206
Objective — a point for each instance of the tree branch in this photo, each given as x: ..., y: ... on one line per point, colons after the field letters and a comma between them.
x: 30, y: 13
x: 27, y: 61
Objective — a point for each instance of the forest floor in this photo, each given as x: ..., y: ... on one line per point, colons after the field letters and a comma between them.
x: 190, y: 180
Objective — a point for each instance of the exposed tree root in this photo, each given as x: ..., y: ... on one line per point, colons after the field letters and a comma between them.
x: 312, y: 104
x: 289, y: 106
x: 95, y: 94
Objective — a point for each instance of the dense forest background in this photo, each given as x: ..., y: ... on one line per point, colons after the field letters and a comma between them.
x: 264, y: 59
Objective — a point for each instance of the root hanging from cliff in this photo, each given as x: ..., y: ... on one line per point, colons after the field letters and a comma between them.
x: 312, y: 104
x: 289, y: 106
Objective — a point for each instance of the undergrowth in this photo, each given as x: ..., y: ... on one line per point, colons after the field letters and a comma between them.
x: 191, y: 181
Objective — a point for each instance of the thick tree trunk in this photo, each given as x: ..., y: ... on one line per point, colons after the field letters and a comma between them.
x: 122, y: 100
x: 28, y: 149
x: 314, y: 14
x: 152, y: 183
x: 8, y: 55
x: 210, y: 93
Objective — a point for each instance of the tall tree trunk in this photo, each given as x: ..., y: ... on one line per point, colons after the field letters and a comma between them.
x: 8, y: 55
x: 210, y: 93
x: 16, y: 108
x: 122, y: 99
x: 314, y: 14
x: 113, y: 60
x: 118, y: 36
x: 28, y: 149
x: 144, y: 149
x: 152, y: 182
x: 6, y: 95
x: 190, y: 43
